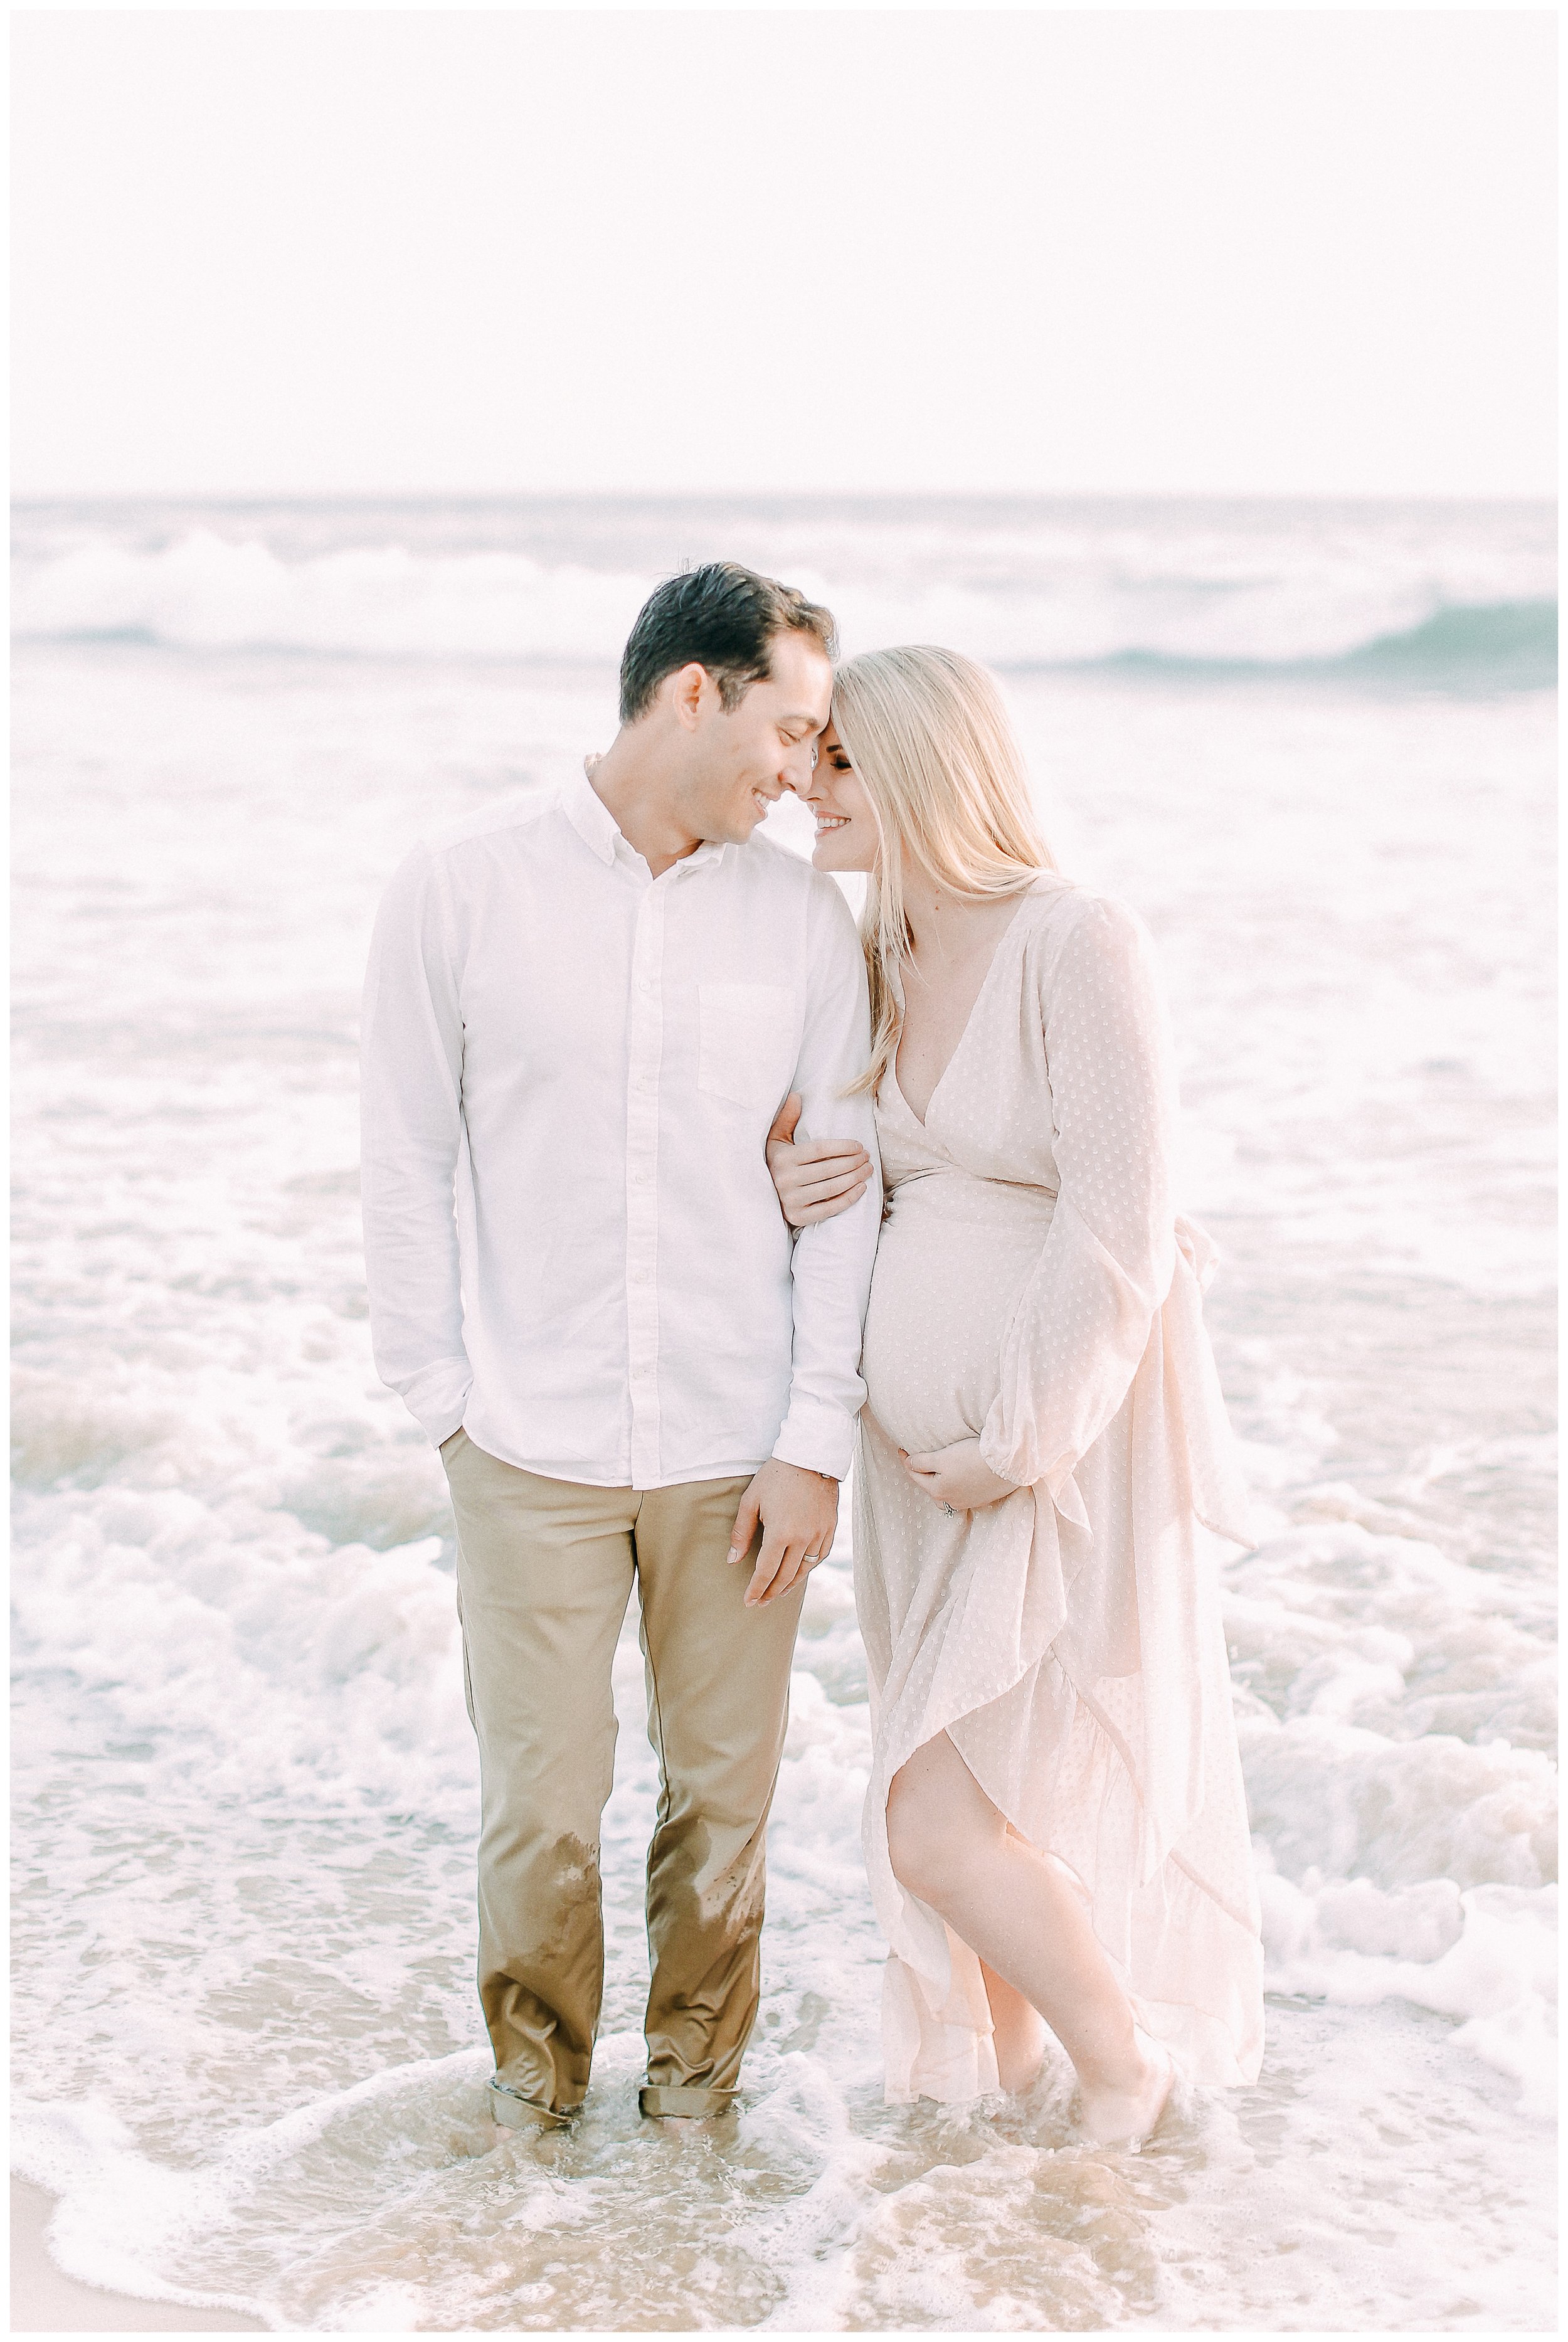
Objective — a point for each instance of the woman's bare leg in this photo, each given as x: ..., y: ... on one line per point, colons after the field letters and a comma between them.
x: 1017, y: 2032
x: 1022, y: 1914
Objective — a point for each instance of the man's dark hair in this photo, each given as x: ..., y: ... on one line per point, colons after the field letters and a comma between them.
x: 724, y: 618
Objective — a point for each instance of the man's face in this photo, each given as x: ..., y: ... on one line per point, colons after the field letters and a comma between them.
x: 742, y: 762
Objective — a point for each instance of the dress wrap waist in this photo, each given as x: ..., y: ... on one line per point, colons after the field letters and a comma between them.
x: 954, y: 1194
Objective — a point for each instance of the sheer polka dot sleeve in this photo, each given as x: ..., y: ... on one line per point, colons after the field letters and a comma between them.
x: 1084, y: 1320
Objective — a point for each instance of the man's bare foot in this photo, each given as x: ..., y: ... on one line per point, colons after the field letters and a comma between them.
x: 543, y: 2143
x: 1127, y: 2117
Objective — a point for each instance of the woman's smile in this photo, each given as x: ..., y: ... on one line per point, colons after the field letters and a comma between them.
x: 848, y: 836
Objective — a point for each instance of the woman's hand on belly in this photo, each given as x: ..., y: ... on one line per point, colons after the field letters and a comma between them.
x: 957, y: 1476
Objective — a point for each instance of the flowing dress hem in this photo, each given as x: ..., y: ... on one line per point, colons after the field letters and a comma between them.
x: 1207, y: 2046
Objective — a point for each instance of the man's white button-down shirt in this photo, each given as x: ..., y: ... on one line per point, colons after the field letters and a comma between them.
x: 573, y: 1243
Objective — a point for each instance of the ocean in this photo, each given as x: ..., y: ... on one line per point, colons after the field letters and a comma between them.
x: 1314, y: 745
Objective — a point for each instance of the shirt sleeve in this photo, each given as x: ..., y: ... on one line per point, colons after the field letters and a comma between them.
x: 1084, y: 1320
x: 833, y: 1258
x: 411, y: 1075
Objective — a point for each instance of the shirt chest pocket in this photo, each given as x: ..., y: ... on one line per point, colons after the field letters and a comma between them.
x: 747, y: 1042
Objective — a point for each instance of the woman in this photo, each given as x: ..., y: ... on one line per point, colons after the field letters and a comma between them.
x: 1055, y: 1829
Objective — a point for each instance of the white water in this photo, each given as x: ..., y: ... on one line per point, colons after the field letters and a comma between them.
x: 1020, y: 585
x: 244, y: 2031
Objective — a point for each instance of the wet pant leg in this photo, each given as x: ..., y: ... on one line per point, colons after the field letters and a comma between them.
x: 718, y: 1700
x: 545, y: 1571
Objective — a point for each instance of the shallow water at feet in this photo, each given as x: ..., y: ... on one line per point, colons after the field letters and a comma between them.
x: 244, y: 2032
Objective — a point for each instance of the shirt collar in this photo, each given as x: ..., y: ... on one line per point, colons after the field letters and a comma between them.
x: 597, y: 827
x: 589, y: 815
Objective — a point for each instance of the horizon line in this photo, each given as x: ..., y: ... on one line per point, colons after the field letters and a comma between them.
x: 21, y: 500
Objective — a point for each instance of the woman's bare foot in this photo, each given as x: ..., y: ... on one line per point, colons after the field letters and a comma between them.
x: 1127, y: 2117
x: 1016, y: 2075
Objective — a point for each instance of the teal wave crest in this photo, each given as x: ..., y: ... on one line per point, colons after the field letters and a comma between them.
x: 1472, y: 647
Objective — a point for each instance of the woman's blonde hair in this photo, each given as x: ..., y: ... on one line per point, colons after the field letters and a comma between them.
x: 929, y: 736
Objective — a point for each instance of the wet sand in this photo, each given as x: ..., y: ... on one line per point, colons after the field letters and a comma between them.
x: 45, y: 2300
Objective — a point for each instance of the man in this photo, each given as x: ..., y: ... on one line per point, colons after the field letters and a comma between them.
x: 580, y: 1019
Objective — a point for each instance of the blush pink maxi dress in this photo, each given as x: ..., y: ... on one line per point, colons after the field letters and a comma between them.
x: 1034, y: 1287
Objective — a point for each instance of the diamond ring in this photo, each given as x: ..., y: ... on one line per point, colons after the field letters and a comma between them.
x: 946, y: 1508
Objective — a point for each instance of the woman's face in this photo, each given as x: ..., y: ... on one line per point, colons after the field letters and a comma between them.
x: 847, y: 838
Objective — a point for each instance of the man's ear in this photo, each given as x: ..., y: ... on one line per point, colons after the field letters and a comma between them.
x: 685, y: 690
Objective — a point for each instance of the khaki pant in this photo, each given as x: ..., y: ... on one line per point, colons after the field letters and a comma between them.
x: 545, y: 1569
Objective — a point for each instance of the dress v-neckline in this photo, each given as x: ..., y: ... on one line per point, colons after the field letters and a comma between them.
x: 921, y: 1121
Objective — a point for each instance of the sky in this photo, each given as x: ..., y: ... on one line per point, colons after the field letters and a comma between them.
x: 365, y: 251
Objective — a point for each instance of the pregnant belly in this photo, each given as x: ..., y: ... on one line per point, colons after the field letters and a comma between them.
x: 944, y: 1289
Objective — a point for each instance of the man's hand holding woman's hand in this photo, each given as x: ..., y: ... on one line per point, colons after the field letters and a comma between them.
x: 797, y: 1512
x: 818, y: 1178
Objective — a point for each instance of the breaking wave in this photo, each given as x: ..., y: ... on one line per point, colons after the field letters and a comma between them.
x: 1496, y: 645
x: 204, y: 593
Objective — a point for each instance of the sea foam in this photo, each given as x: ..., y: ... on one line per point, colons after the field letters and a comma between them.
x: 247, y: 2041
x: 1454, y: 613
